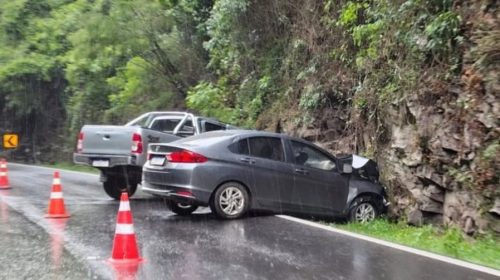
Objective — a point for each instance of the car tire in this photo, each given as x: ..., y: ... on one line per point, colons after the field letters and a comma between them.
x: 230, y: 201
x: 114, y: 186
x: 364, y: 209
x: 182, y: 209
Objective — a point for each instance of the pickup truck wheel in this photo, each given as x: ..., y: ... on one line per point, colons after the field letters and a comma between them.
x: 182, y: 209
x: 115, y: 186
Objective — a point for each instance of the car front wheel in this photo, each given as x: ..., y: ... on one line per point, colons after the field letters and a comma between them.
x: 363, y: 209
x: 182, y: 209
x: 230, y: 201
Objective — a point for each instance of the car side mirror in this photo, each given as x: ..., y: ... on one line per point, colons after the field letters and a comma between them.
x: 346, y: 168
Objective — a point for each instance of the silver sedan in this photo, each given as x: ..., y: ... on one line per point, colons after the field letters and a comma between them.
x: 235, y: 171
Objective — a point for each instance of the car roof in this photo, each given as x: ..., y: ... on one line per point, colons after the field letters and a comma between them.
x: 228, y: 134
x: 253, y: 133
x: 244, y: 132
x: 219, y: 135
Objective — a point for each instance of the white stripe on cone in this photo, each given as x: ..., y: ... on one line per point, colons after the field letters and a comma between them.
x: 124, y: 206
x: 56, y: 195
x: 56, y: 181
x: 124, y: 229
x: 3, y: 174
x: 3, y: 165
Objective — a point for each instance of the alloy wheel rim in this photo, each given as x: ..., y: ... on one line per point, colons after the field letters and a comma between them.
x: 231, y: 201
x: 365, y: 213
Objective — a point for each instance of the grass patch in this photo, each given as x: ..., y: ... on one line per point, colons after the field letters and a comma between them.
x: 484, y: 249
x: 73, y: 167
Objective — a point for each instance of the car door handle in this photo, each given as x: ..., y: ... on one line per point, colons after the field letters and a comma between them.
x: 247, y: 160
x: 301, y: 171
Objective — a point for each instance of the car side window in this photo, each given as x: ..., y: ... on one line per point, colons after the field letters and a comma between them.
x: 306, y: 155
x: 240, y: 147
x: 266, y: 147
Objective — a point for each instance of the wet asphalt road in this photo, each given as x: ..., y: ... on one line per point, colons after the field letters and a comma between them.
x: 174, y: 247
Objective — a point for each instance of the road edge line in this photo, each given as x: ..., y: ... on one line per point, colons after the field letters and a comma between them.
x: 419, y: 252
x: 55, y: 168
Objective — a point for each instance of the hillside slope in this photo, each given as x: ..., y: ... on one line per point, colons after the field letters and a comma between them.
x: 413, y: 84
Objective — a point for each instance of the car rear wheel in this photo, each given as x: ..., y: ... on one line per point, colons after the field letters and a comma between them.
x: 182, y: 209
x: 114, y: 186
x: 230, y: 201
x: 364, y: 209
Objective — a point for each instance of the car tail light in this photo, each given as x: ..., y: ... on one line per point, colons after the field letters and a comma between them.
x: 79, y: 144
x: 149, y: 156
x: 185, y: 157
x: 136, y: 143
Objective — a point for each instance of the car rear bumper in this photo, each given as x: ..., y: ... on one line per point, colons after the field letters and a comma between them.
x: 113, y: 160
x: 178, y: 185
x: 170, y: 193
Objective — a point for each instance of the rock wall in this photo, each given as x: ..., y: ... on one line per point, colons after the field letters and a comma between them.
x: 436, y: 160
x: 439, y: 147
x: 442, y: 159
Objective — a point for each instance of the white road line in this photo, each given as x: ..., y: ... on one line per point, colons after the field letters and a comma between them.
x: 449, y: 260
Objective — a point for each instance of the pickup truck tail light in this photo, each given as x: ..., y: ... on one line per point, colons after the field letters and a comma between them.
x: 136, y: 143
x: 185, y: 156
x: 79, y: 144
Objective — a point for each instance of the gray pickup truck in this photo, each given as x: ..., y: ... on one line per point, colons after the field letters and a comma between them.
x: 119, y: 152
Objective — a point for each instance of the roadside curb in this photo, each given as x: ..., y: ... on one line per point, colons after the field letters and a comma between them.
x: 419, y: 252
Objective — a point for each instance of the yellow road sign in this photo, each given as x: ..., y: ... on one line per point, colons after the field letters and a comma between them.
x: 10, y: 141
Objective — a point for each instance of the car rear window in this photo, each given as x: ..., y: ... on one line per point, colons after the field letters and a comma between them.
x: 212, y: 127
x: 205, y: 139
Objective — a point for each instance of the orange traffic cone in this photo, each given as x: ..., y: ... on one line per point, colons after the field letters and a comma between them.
x: 4, y: 179
x: 124, y: 245
x: 56, y: 202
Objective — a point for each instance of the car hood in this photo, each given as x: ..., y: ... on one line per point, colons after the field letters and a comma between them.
x: 363, y: 167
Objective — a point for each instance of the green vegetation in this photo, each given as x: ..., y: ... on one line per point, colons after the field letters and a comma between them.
x: 484, y: 250
x: 65, y: 63
x: 72, y: 167
x: 238, y: 60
